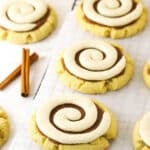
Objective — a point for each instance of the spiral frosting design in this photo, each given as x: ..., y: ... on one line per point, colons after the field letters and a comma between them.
x: 72, y: 120
x: 94, y: 61
x: 113, y: 13
x: 22, y: 15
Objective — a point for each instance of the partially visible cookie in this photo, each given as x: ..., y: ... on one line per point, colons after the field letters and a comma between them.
x: 26, y: 21
x: 141, y: 133
x: 146, y: 74
x: 4, y: 127
x: 115, y: 18
x: 94, y: 67
x: 73, y: 123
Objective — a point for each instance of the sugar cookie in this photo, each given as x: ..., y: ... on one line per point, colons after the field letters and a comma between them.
x: 112, y: 18
x: 73, y: 123
x: 94, y: 67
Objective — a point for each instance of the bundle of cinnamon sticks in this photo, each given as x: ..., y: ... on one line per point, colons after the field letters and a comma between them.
x: 24, y: 70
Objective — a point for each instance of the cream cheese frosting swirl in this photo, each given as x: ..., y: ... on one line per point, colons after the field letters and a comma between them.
x: 22, y: 15
x: 72, y: 120
x: 113, y: 13
x: 145, y: 129
x: 94, y: 60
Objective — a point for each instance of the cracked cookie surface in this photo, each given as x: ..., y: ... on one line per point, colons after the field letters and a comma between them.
x: 28, y: 26
x: 115, y: 32
x: 99, y: 85
x: 103, y: 142
x: 4, y: 127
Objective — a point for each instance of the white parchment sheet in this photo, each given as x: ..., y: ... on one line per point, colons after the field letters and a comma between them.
x: 129, y: 103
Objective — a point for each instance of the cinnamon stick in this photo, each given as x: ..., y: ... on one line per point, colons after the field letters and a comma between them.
x: 16, y: 72
x: 25, y: 73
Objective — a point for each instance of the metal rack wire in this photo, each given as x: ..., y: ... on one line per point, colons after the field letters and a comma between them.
x: 76, y: 2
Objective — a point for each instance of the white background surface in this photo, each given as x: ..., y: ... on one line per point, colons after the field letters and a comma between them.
x: 128, y: 103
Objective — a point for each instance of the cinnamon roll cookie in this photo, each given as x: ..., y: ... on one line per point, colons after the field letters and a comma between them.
x: 26, y: 21
x: 146, y: 74
x: 141, y: 134
x: 4, y: 127
x: 112, y: 18
x: 73, y: 123
x: 94, y: 67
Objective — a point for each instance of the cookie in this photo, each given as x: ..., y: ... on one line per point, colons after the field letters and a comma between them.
x: 26, y: 21
x: 94, y: 67
x: 141, y: 133
x: 73, y: 123
x: 115, y: 18
x: 4, y: 127
x: 146, y: 74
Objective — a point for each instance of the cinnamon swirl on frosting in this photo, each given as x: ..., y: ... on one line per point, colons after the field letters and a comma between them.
x: 113, y: 18
x: 26, y: 21
x: 74, y: 120
x: 94, y: 67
